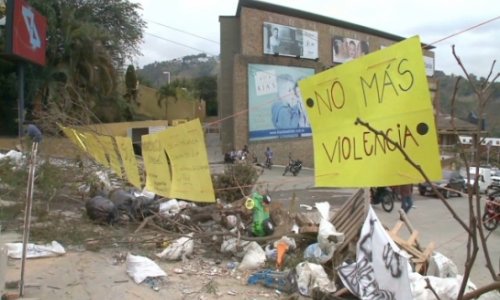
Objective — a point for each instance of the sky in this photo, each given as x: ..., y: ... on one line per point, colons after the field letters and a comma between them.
x: 176, y: 28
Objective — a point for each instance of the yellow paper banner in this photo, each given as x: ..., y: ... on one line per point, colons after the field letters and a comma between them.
x: 191, y: 180
x: 72, y: 136
x: 158, y: 169
x: 94, y: 147
x: 108, y: 146
x: 389, y: 90
x: 129, y: 161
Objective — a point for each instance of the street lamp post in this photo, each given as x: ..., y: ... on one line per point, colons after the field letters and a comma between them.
x: 168, y: 78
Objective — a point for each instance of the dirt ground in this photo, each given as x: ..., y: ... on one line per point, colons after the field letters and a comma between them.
x: 102, y: 274
x: 99, y: 275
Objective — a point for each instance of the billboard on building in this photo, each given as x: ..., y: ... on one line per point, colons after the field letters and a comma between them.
x: 290, y: 41
x: 346, y: 49
x: 26, y: 31
x: 275, y: 108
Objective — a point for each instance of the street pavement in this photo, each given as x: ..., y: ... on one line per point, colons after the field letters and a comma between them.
x: 429, y: 216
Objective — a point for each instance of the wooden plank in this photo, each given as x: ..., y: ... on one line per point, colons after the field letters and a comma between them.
x: 395, y: 230
x: 413, y: 238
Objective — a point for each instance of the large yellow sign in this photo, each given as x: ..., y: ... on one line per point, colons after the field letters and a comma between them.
x: 108, y: 146
x: 157, y: 165
x: 388, y: 89
x: 186, y: 149
x: 129, y: 161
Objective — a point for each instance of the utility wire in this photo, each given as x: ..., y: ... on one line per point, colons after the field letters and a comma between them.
x: 180, y: 44
x: 433, y: 43
x: 465, y: 30
x: 186, y: 32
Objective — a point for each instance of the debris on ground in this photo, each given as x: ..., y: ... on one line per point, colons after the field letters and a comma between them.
x: 15, y: 250
x: 321, y: 251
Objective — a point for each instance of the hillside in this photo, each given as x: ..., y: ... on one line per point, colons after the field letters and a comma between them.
x: 188, y: 67
x: 194, y: 66
x: 466, y: 102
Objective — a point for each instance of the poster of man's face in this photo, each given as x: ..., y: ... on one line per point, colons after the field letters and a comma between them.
x: 346, y: 49
x: 289, y: 41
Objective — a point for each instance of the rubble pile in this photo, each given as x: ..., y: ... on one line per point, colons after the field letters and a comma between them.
x: 333, y: 254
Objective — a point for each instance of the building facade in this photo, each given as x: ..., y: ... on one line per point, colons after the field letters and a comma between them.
x: 265, y: 50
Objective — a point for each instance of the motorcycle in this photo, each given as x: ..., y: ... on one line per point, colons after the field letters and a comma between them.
x: 294, y: 166
x: 269, y: 163
x: 383, y: 195
x: 491, y: 215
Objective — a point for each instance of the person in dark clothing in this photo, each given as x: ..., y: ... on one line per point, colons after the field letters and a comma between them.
x: 33, y: 132
x: 406, y: 191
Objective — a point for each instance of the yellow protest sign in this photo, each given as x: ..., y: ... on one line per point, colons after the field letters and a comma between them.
x: 72, y: 136
x: 158, y: 168
x: 186, y: 149
x: 129, y: 161
x: 94, y: 147
x: 79, y: 139
x: 108, y: 146
x: 387, y: 89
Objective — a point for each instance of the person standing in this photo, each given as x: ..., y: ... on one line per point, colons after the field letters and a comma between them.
x: 269, y: 156
x: 406, y: 191
x: 33, y: 132
x: 274, y: 41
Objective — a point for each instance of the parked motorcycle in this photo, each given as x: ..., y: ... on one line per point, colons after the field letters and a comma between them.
x: 294, y: 166
x: 491, y: 215
x: 383, y: 195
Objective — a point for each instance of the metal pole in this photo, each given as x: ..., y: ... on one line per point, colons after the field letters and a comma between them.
x: 20, y: 101
x: 27, y: 212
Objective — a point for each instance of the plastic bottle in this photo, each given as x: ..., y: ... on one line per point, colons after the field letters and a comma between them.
x: 260, y: 214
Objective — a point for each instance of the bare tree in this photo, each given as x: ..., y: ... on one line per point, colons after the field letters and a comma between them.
x: 473, y: 227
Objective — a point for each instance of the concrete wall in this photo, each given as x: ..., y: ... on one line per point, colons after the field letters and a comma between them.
x: 229, y: 46
x: 174, y: 109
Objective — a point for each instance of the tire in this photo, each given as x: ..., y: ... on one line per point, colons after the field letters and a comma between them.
x: 421, y: 192
x: 490, y: 223
x: 445, y: 193
x: 388, y: 202
x: 286, y: 171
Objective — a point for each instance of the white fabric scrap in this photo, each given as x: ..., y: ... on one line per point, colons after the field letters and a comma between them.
x: 178, y: 249
x: 15, y: 250
x: 445, y: 288
x: 140, y: 268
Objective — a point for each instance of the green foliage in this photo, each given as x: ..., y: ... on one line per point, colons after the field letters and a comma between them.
x: 130, y: 78
x: 193, y: 67
x: 466, y: 99
x: 207, y: 87
x: 237, y: 178
x: 88, y: 41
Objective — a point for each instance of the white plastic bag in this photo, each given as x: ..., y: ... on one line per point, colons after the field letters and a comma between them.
x: 254, y: 258
x: 327, y: 230
x: 310, y: 276
x: 169, y: 208
x: 234, y: 246
x: 15, y: 250
x: 180, y: 248
x: 315, y: 254
x: 140, y: 267
x: 441, y: 266
x: 446, y: 288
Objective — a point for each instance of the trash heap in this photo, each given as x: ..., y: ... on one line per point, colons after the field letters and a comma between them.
x: 326, y: 254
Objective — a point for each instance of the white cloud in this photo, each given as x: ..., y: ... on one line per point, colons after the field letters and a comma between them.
x: 432, y: 20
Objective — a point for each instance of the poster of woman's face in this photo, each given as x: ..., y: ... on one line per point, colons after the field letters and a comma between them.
x: 346, y: 49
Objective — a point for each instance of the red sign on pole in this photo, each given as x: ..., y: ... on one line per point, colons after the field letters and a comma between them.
x: 26, y: 32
